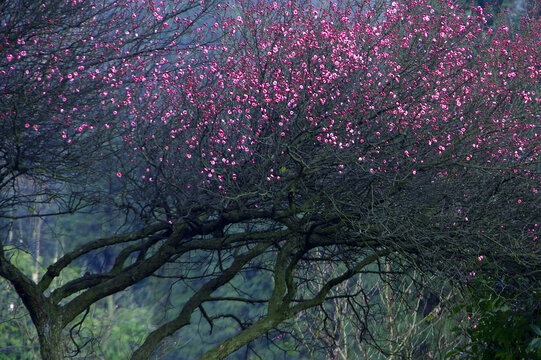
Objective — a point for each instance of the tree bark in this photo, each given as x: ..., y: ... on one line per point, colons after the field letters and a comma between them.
x: 50, y: 340
x: 236, y: 342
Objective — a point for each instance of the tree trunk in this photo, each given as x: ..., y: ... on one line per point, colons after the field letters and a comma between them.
x: 50, y: 340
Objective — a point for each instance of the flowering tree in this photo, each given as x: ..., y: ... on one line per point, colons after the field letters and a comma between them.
x: 65, y: 66
x: 281, y: 136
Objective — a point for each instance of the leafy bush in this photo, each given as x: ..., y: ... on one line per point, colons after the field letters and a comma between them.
x: 500, y: 328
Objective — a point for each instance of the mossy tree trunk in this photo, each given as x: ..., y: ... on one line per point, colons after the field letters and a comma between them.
x: 50, y: 339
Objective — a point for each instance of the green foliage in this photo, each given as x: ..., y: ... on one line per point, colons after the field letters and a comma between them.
x: 499, y: 328
x: 21, y: 259
x: 120, y: 331
x: 18, y: 339
x: 534, y: 347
